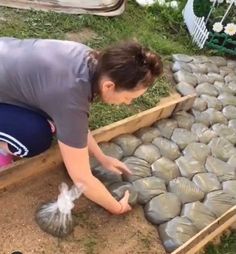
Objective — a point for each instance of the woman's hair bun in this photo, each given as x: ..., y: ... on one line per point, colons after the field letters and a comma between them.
x: 154, y: 63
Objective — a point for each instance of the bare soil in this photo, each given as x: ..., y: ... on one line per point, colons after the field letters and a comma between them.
x: 97, y: 231
x: 82, y: 36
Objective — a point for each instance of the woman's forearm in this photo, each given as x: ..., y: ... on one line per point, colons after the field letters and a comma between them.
x: 93, y: 148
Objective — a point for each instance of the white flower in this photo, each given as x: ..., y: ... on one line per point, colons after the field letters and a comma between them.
x: 174, y: 4
x: 217, y: 27
x: 161, y: 2
x: 230, y: 29
x: 145, y: 2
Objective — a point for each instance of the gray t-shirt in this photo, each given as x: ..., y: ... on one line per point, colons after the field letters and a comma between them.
x: 52, y: 77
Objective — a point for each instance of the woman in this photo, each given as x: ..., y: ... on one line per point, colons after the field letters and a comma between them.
x: 48, y: 84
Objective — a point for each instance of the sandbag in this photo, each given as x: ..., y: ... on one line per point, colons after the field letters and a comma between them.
x: 212, y: 102
x: 232, y: 161
x: 185, y: 88
x: 199, y: 104
x: 183, y: 137
x: 227, y: 99
x: 147, y: 134
x: 176, y: 232
x: 225, y: 70
x: 185, y: 190
x: 218, y: 202
x: 167, y: 148
x: 162, y: 208
x: 201, y: 117
x: 200, y: 60
x: 232, y: 86
x: 230, y: 187
x: 177, y: 66
x: 197, y: 151
x: 225, y: 132
x: 206, y: 88
x: 231, y: 64
x: 149, y: 187
x: 232, y: 123
x: 216, y: 76
x: 117, y: 190
x: 184, y: 76
x: 222, y: 148
x: 110, y: 149
x: 182, y: 58
x: 198, y: 68
x: 166, y: 127
x: 139, y: 168
x: 215, y: 116
x: 230, y: 77
x: 106, y: 176
x: 229, y: 112
x: 128, y: 143
x: 222, y: 87
x: 220, y: 168
x: 202, y: 78
x: 189, y: 167
x: 147, y: 152
x: 218, y: 60
x: 204, y: 134
x: 198, y: 214
x: 211, y: 67
x: 165, y: 169
x: 184, y: 119
x: 207, y: 182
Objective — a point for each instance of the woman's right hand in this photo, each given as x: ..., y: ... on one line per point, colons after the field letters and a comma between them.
x: 125, y: 207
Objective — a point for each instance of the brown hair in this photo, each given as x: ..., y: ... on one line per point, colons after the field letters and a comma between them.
x: 127, y: 65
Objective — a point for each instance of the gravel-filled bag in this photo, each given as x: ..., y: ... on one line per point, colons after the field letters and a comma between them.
x: 211, y: 67
x: 218, y: 60
x: 198, y: 214
x: 166, y: 127
x: 182, y: 58
x: 212, y: 102
x: 110, y: 149
x: 226, y: 132
x: 149, y: 187
x: 176, y: 232
x: 198, y: 68
x: 232, y: 123
x: 139, y: 168
x: 106, y: 176
x: 201, y: 117
x: 183, y: 137
x: 225, y: 70
x: 167, y: 148
x: 206, y: 88
x: 207, y: 182
x: 185, y: 88
x: 189, y: 167
x: 162, y: 208
x: 118, y: 191
x: 227, y: 99
x: 197, y: 151
x: 230, y: 77
x: 203, y: 78
x: 222, y: 87
x: 184, y: 119
x: 230, y: 187
x: 215, y: 76
x: 222, y: 148
x: 147, y: 134
x: 218, y: 202
x: 204, y: 134
x: 232, y: 160
x: 199, y: 104
x: 215, y: 116
x: 147, y: 152
x: 231, y: 64
x: 221, y: 169
x: 165, y: 169
x: 128, y: 143
x: 232, y: 86
x: 185, y: 190
x: 177, y: 66
x: 184, y: 76
x: 200, y: 60
x: 229, y: 112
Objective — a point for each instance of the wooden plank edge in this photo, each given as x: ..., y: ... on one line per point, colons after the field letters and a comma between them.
x: 206, y: 235
x: 25, y: 169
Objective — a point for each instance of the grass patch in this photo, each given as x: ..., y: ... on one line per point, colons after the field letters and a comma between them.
x: 227, y: 246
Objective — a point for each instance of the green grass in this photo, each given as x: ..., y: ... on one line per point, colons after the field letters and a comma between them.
x: 227, y: 246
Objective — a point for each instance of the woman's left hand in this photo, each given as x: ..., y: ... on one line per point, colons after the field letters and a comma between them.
x: 114, y: 165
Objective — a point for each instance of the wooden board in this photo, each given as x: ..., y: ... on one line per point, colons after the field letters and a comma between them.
x: 96, y: 7
x: 197, y: 242
x: 25, y: 169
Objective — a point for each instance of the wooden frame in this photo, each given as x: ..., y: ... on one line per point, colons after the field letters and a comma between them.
x: 25, y: 169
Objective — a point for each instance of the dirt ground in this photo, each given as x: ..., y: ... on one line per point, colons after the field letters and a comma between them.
x: 96, y: 232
